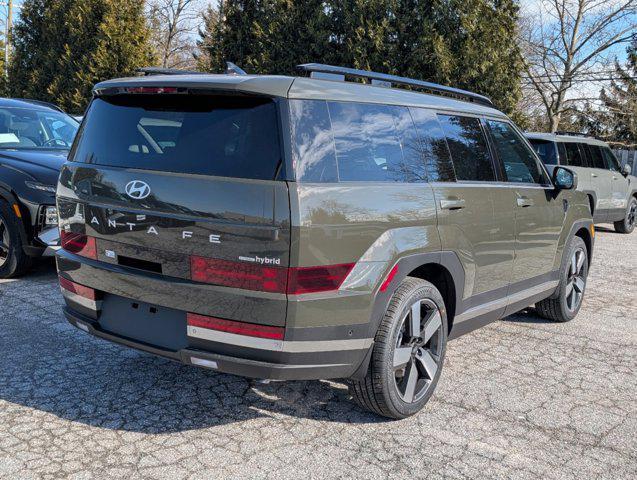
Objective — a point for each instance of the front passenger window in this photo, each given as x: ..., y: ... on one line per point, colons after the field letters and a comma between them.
x: 611, y: 161
x: 520, y: 165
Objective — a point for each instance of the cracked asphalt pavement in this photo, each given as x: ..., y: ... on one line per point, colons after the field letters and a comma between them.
x: 520, y: 398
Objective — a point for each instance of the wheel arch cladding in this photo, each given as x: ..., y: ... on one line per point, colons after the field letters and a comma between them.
x: 441, y: 278
x: 585, y: 234
x: 442, y: 269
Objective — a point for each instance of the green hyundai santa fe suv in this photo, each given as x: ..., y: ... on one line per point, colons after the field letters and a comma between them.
x: 311, y: 227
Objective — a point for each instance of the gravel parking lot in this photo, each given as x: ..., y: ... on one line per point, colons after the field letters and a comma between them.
x: 521, y: 398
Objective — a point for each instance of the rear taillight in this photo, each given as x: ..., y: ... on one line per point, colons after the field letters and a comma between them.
x: 77, y: 289
x: 239, y: 328
x: 248, y: 276
x: 317, y: 279
x: 79, y: 243
x: 238, y: 275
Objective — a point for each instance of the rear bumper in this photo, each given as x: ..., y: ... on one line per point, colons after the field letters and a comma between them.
x: 318, y: 365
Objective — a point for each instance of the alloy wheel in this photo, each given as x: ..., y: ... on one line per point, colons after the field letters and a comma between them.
x: 4, y: 242
x: 418, y: 350
x: 576, y: 281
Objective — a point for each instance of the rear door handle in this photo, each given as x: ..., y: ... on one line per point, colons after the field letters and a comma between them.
x: 452, y: 204
x: 524, y: 202
x: 594, y: 175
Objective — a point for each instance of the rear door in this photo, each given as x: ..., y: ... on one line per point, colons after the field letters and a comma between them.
x: 538, y: 214
x: 472, y: 221
x: 184, y: 188
x: 601, y: 178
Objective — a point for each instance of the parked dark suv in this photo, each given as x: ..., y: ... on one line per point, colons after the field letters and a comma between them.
x: 311, y: 228
x: 35, y: 138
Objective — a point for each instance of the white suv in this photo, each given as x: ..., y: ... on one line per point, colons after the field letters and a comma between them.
x: 611, y: 189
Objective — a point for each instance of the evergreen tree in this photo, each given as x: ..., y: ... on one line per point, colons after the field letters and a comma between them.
x: 463, y: 43
x: 620, y: 102
x: 62, y: 48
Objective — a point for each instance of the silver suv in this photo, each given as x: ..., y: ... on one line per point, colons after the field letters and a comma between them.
x: 611, y: 189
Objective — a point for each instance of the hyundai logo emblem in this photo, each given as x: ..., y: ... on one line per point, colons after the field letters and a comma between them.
x: 137, y: 189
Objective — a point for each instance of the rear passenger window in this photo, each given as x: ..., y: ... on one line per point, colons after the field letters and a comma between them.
x: 312, y: 142
x: 369, y: 143
x: 432, y: 148
x: 468, y: 147
x: 573, y: 155
x: 561, y: 150
x: 520, y: 164
x: 595, y: 155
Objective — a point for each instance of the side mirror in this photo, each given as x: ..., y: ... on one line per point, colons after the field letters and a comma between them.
x: 564, y: 179
x: 627, y: 169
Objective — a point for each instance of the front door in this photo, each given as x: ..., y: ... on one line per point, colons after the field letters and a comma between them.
x: 620, y: 186
x: 539, y: 215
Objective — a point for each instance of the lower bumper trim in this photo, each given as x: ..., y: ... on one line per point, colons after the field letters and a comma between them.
x: 224, y: 363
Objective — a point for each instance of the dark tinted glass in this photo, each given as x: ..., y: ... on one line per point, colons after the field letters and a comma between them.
x: 369, y: 143
x: 561, y: 149
x: 312, y: 142
x: 432, y: 148
x: 520, y: 165
x: 610, y: 160
x: 224, y: 136
x: 545, y: 149
x: 573, y: 155
x: 468, y: 147
x: 586, y: 155
x: 595, y: 156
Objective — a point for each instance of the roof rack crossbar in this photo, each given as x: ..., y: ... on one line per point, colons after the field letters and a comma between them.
x: 386, y: 80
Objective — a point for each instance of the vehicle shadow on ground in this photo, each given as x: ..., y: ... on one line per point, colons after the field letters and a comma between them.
x: 50, y: 366
x: 528, y: 315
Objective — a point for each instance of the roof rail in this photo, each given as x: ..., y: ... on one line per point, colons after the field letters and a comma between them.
x: 573, y: 134
x: 148, y: 71
x: 331, y: 72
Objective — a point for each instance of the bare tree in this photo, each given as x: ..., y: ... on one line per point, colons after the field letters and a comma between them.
x: 569, y: 42
x: 173, y: 23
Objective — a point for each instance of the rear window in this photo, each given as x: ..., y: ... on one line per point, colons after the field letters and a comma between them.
x: 545, y: 149
x: 195, y: 134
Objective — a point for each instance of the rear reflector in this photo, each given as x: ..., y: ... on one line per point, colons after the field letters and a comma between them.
x: 79, y: 244
x: 248, y: 276
x: 239, y: 328
x: 390, y: 277
x: 238, y: 275
x: 317, y: 279
x: 77, y: 289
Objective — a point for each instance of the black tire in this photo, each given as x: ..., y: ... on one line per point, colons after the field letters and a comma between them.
x: 564, y: 306
x: 13, y: 260
x: 627, y: 224
x: 390, y: 391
